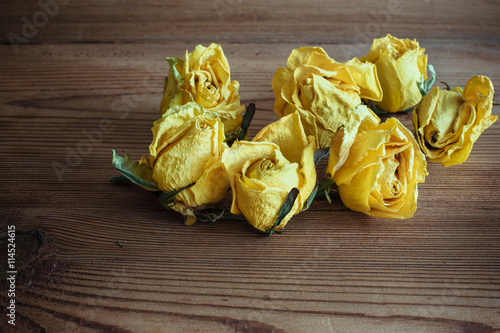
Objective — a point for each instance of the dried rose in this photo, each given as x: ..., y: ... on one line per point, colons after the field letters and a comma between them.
x: 204, y: 77
x: 448, y: 122
x: 401, y: 64
x: 262, y: 172
x: 381, y: 172
x: 315, y: 84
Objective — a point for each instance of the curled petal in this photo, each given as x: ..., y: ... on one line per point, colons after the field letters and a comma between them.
x: 328, y: 90
x: 448, y: 122
x: 204, y: 77
x: 401, y: 64
x: 380, y: 174
x: 263, y: 172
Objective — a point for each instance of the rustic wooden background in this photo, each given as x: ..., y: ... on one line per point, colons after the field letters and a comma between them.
x: 93, y: 256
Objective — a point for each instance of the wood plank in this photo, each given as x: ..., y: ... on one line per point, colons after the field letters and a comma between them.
x: 261, y: 21
x: 95, y: 256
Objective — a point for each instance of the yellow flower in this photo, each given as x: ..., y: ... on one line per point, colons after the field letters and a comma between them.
x: 262, y: 172
x: 401, y: 63
x: 204, y: 77
x: 313, y: 83
x: 187, y: 147
x: 380, y: 175
x: 449, y: 122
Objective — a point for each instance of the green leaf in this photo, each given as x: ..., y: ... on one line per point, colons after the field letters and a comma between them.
x: 425, y: 86
x: 241, y: 132
x: 430, y: 81
x: 167, y: 198
x: 285, y: 209
x: 423, y: 92
x: 320, y: 154
x: 140, y: 174
x: 121, y: 179
x: 247, y: 119
x: 311, y: 198
x: 324, y: 188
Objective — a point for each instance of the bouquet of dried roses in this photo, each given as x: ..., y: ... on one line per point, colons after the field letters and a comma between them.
x: 200, y: 148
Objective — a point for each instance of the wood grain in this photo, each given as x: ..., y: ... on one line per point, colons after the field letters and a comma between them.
x: 94, y: 256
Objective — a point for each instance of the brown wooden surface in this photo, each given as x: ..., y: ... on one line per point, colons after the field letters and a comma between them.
x: 332, y: 270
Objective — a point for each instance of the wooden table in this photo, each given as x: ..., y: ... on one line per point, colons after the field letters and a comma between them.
x: 93, y: 256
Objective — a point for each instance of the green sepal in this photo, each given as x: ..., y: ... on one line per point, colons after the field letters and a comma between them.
x: 425, y: 85
x: 167, y: 198
x: 379, y: 111
x: 311, y: 198
x: 232, y: 136
x: 247, y: 119
x: 285, y: 209
x: 324, y: 187
x: 320, y: 154
x: 241, y: 132
x: 121, y: 179
x: 140, y: 174
x: 376, y: 109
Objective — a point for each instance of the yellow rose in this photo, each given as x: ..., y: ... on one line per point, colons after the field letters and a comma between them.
x: 449, y: 122
x: 187, y: 147
x: 400, y: 63
x: 262, y: 172
x: 204, y: 77
x: 380, y: 175
x: 313, y: 83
